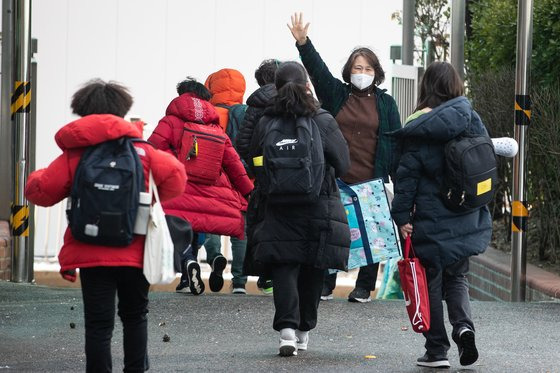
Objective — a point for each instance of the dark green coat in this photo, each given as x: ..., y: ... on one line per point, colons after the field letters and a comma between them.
x: 333, y: 93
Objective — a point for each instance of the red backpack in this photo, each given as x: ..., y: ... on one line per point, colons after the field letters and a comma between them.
x: 202, y: 151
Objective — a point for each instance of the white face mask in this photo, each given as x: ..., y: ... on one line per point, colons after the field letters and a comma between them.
x: 361, y: 81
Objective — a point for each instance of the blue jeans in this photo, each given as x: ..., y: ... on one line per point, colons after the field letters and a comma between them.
x: 238, y: 247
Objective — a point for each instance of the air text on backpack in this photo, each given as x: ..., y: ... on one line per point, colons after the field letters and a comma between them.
x: 294, y: 162
x: 470, y: 173
x: 105, y: 193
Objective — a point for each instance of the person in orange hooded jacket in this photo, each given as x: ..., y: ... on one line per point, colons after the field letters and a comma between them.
x: 227, y: 87
x: 106, y: 270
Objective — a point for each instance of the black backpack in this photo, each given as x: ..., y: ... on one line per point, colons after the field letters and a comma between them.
x: 105, y: 193
x: 470, y: 172
x: 294, y: 162
x: 236, y: 114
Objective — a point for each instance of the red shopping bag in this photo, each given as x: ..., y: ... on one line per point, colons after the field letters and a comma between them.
x: 415, y: 289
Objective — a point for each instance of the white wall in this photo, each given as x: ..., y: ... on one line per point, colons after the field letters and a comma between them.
x: 150, y: 45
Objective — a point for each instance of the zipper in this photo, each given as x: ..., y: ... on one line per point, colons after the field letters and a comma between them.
x: 207, y: 136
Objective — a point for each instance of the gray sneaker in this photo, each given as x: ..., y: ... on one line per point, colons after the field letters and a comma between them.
x: 359, y: 295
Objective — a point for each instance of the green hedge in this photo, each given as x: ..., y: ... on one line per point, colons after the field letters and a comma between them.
x: 494, y: 35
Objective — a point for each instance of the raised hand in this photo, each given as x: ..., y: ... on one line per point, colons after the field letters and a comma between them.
x: 299, y: 31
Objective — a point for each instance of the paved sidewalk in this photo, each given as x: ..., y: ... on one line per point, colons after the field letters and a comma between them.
x: 228, y: 333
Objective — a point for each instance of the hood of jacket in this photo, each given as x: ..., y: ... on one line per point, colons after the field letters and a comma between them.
x: 443, y: 123
x: 262, y: 96
x: 94, y: 129
x: 190, y: 108
x: 227, y: 87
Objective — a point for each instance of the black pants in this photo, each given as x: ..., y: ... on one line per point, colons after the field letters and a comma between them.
x: 99, y: 287
x: 367, y: 277
x: 449, y: 284
x: 297, y: 291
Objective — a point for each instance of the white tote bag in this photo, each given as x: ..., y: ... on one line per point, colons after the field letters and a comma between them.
x: 158, y: 248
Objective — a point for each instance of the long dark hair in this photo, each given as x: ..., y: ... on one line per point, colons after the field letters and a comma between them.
x: 371, y: 58
x: 293, y: 98
x: 440, y: 83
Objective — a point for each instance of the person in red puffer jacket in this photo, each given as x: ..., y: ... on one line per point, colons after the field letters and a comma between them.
x: 210, y: 208
x: 105, y: 270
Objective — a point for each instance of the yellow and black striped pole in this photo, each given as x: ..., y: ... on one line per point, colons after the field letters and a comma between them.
x: 21, y: 98
x: 522, y: 117
x: 22, y: 258
x: 19, y: 220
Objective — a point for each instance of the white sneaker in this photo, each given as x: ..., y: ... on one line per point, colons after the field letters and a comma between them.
x: 302, y: 340
x: 288, y: 347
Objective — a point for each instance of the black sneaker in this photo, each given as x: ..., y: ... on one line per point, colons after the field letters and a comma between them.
x: 195, y: 281
x: 326, y: 294
x: 468, y: 353
x: 359, y: 295
x: 216, y: 280
x: 432, y: 361
x: 183, y: 286
x: 265, y: 285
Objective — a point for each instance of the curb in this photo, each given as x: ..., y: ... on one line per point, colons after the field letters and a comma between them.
x: 538, y: 279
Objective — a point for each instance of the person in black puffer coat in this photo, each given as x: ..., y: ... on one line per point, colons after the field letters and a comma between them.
x: 256, y: 103
x: 298, y: 242
x: 442, y: 239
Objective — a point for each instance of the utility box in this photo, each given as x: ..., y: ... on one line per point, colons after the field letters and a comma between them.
x: 395, y: 53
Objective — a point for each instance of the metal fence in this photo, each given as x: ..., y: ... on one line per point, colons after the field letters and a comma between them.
x: 405, y: 85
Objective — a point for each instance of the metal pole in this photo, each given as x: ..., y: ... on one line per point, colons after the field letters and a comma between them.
x: 20, y: 108
x: 409, y: 10
x: 458, y: 36
x: 519, y: 211
x: 6, y: 156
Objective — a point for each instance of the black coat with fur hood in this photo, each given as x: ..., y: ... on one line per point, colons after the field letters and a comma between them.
x: 313, y: 234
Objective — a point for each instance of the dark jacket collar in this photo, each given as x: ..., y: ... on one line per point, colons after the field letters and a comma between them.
x: 443, y: 123
x: 262, y: 96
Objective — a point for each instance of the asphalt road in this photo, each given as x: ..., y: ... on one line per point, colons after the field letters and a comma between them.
x: 229, y: 333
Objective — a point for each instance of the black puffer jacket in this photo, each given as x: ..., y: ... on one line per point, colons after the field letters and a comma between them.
x: 441, y: 236
x: 257, y: 102
x: 315, y: 234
